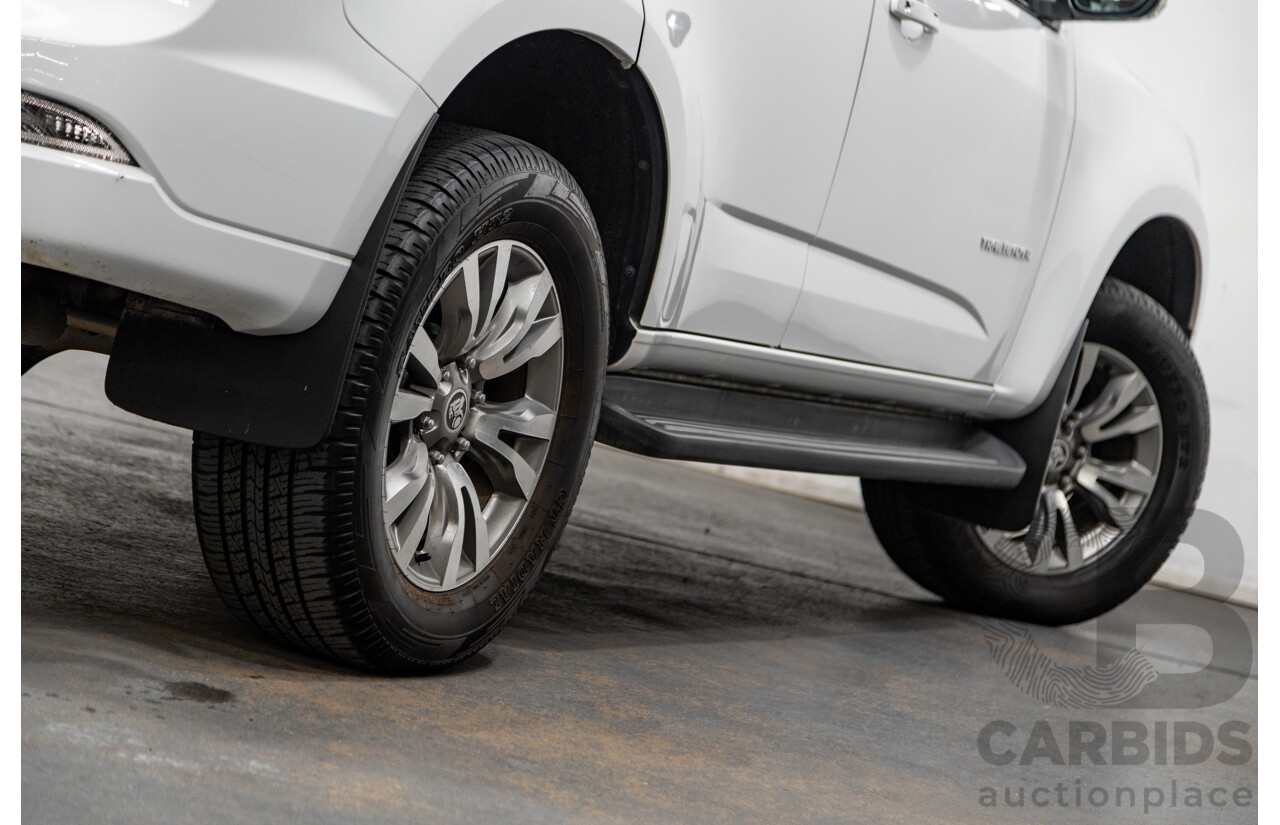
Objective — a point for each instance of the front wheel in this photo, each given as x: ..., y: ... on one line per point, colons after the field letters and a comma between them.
x: 405, y: 541
x: 1124, y: 473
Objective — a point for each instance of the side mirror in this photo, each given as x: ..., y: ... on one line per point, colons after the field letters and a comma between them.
x: 1094, y: 9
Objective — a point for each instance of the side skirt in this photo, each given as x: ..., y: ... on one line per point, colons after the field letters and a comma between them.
x: 678, y: 419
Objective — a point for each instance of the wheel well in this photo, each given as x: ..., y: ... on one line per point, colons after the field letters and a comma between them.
x: 1161, y: 259
x: 567, y: 95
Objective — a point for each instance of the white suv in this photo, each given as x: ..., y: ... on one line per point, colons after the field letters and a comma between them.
x: 397, y: 263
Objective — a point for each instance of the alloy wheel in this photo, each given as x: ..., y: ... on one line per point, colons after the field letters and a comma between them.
x: 1103, y: 467
x: 473, y: 416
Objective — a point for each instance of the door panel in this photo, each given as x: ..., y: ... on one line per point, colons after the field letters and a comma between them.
x: 910, y: 317
x: 959, y: 136
x: 775, y: 84
x: 746, y: 279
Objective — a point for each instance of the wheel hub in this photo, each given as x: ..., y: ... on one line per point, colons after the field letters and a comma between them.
x: 441, y: 427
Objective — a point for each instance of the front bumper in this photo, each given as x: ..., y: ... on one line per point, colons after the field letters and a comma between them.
x: 114, y: 223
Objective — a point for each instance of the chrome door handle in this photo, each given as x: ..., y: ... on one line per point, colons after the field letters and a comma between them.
x: 916, y: 17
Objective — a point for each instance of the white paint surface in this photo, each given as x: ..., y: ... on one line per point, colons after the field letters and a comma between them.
x: 1200, y: 59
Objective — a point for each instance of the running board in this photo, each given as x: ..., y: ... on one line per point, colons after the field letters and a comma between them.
x: 692, y: 422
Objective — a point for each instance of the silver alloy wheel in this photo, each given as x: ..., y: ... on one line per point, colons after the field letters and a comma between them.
x: 1102, y: 470
x: 472, y: 420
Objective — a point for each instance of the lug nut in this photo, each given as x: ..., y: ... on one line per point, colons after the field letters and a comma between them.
x: 423, y: 426
x: 471, y: 363
x: 436, y: 456
x: 462, y: 445
x: 478, y: 398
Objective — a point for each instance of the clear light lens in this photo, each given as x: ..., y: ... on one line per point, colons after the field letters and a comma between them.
x: 46, y: 123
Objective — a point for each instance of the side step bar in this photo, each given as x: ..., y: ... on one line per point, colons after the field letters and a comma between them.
x: 675, y: 419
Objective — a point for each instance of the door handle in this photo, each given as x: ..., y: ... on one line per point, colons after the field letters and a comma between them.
x: 915, y: 17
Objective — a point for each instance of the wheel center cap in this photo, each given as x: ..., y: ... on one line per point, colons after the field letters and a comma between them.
x: 455, y: 411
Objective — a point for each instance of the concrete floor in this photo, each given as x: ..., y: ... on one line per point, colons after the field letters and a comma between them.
x: 697, y: 651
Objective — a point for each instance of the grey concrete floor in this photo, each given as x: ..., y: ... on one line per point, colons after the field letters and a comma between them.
x: 697, y: 651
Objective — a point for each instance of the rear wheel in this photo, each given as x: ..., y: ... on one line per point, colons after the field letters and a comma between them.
x: 406, y: 540
x: 1124, y: 473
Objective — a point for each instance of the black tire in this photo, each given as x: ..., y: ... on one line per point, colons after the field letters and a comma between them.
x: 946, y: 556
x: 293, y: 539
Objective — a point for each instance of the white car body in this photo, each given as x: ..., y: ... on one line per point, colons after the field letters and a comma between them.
x: 850, y: 210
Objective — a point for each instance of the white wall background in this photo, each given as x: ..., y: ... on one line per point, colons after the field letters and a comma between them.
x: 1200, y: 59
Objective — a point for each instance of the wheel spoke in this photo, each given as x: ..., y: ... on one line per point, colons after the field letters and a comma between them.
x: 457, y: 524
x: 1126, y: 475
x: 523, y: 417
x: 542, y: 335
x: 460, y: 311
x: 519, y: 307
x: 405, y: 478
x: 481, y: 547
x: 493, y: 271
x: 1116, y: 396
x: 518, y: 334
x: 1137, y: 420
x: 1084, y: 371
x: 521, y: 303
x: 424, y: 361
x: 1039, y: 539
x: 1129, y: 475
x: 509, y: 472
x: 413, y: 526
x: 408, y: 405
x: 1071, y: 549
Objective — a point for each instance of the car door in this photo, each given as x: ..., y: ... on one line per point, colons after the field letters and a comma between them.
x: 945, y: 190
x: 774, y: 85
